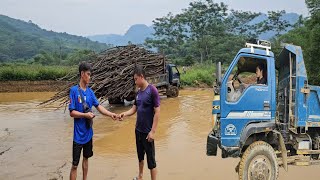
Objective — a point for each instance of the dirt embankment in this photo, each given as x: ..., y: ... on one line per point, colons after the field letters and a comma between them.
x: 31, y: 86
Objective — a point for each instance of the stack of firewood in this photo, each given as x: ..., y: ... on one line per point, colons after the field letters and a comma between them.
x: 112, y: 72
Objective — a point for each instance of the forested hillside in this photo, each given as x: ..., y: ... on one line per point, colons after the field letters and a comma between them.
x: 22, y: 40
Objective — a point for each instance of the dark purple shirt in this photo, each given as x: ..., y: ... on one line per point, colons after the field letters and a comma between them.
x: 146, y: 101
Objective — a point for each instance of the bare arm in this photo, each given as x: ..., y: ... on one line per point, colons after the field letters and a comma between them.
x: 150, y: 136
x: 130, y: 112
x: 105, y: 112
x: 77, y: 114
x: 155, y: 119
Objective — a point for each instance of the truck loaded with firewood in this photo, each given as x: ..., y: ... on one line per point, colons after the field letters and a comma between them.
x: 167, y: 83
x: 112, y: 75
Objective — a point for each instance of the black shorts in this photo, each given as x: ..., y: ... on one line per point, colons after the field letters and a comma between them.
x: 145, y: 147
x: 76, y: 152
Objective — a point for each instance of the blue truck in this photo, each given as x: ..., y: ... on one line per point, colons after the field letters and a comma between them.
x: 167, y: 83
x: 267, y: 125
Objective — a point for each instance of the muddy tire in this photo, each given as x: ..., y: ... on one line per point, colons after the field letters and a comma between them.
x: 259, y: 161
x: 131, y: 96
x: 115, y: 101
x: 172, y: 91
x: 315, y: 156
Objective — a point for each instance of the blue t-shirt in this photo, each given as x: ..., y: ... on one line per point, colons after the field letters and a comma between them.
x: 81, y: 134
x: 145, y: 102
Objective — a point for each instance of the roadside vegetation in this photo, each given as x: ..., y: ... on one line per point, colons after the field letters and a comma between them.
x: 200, y: 75
x: 23, y: 72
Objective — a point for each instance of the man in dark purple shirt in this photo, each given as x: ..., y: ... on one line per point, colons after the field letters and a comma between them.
x: 147, y: 106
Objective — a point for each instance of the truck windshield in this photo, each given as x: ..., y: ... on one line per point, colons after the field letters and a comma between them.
x: 175, y: 70
x: 248, y: 71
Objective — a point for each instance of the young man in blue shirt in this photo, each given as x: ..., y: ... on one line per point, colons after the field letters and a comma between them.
x: 147, y: 106
x: 82, y: 99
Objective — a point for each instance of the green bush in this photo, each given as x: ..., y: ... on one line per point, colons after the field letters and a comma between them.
x: 197, y: 75
x: 18, y: 72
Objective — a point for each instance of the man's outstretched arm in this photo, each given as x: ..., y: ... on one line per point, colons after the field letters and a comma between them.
x: 130, y: 112
x: 105, y: 112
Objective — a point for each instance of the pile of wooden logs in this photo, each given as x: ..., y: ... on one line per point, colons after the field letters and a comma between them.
x: 112, y: 73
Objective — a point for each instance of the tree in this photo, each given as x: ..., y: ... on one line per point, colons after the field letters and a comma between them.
x: 81, y: 55
x: 208, y: 33
x: 190, y: 31
x: 313, y: 6
x: 44, y: 58
x: 169, y: 34
x: 188, y: 61
x: 308, y: 37
x: 274, y: 22
x: 313, y: 41
x: 239, y: 23
x: 205, y: 19
x: 300, y: 22
x: 24, y: 40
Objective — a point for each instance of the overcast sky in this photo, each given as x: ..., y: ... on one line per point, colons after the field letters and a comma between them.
x: 89, y: 17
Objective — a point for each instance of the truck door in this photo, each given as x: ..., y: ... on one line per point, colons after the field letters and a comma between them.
x: 174, y: 75
x: 245, y: 98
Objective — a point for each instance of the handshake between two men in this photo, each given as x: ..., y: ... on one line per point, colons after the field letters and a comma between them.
x: 121, y: 116
x: 114, y: 116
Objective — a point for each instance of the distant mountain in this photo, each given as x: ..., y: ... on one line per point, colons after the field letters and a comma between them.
x: 292, y: 18
x: 23, y: 40
x: 138, y: 33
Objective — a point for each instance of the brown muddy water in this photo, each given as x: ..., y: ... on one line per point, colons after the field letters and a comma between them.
x: 35, y: 143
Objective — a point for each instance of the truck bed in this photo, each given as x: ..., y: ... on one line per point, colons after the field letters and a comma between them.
x: 159, y: 81
x: 298, y: 102
x: 314, y: 106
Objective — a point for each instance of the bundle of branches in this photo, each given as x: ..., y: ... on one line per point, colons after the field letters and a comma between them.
x: 112, y: 73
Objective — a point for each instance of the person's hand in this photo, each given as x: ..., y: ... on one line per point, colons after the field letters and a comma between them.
x: 150, y: 136
x: 114, y: 116
x: 121, y: 116
x: 89, y: 115
x: 245, y: 85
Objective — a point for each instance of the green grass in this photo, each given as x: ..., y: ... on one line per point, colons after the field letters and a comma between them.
x: 21, y: 72
x: 198, y: 74
x: 195, y: 76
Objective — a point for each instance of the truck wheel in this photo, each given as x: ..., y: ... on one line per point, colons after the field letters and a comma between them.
x: 172, y: 91
x: 131, y: 96
x: 259, y: 161
x: 315, y: 156
x: 115, y: 101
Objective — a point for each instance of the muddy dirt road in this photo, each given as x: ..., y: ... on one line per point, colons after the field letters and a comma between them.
x: 35, y: 143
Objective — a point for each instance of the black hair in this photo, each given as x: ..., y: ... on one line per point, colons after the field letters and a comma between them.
x: 84, y: 66
x: 261, y: 67
x: 138, y: 70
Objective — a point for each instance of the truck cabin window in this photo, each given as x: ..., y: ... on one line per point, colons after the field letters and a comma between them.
x: 248, y: 71
x: 175, y: 70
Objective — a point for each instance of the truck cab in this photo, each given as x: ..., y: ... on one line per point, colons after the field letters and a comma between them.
x: 173, y: 74
x: 262, y: 106
x: 243, y: 104
x: 168, y: 83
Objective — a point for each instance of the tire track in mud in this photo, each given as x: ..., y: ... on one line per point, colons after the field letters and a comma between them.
x: 3, y: 136
x: 2, y: 152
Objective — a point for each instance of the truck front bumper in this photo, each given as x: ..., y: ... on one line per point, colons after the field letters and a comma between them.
x: 214, y: 141
x: 212, y: 144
